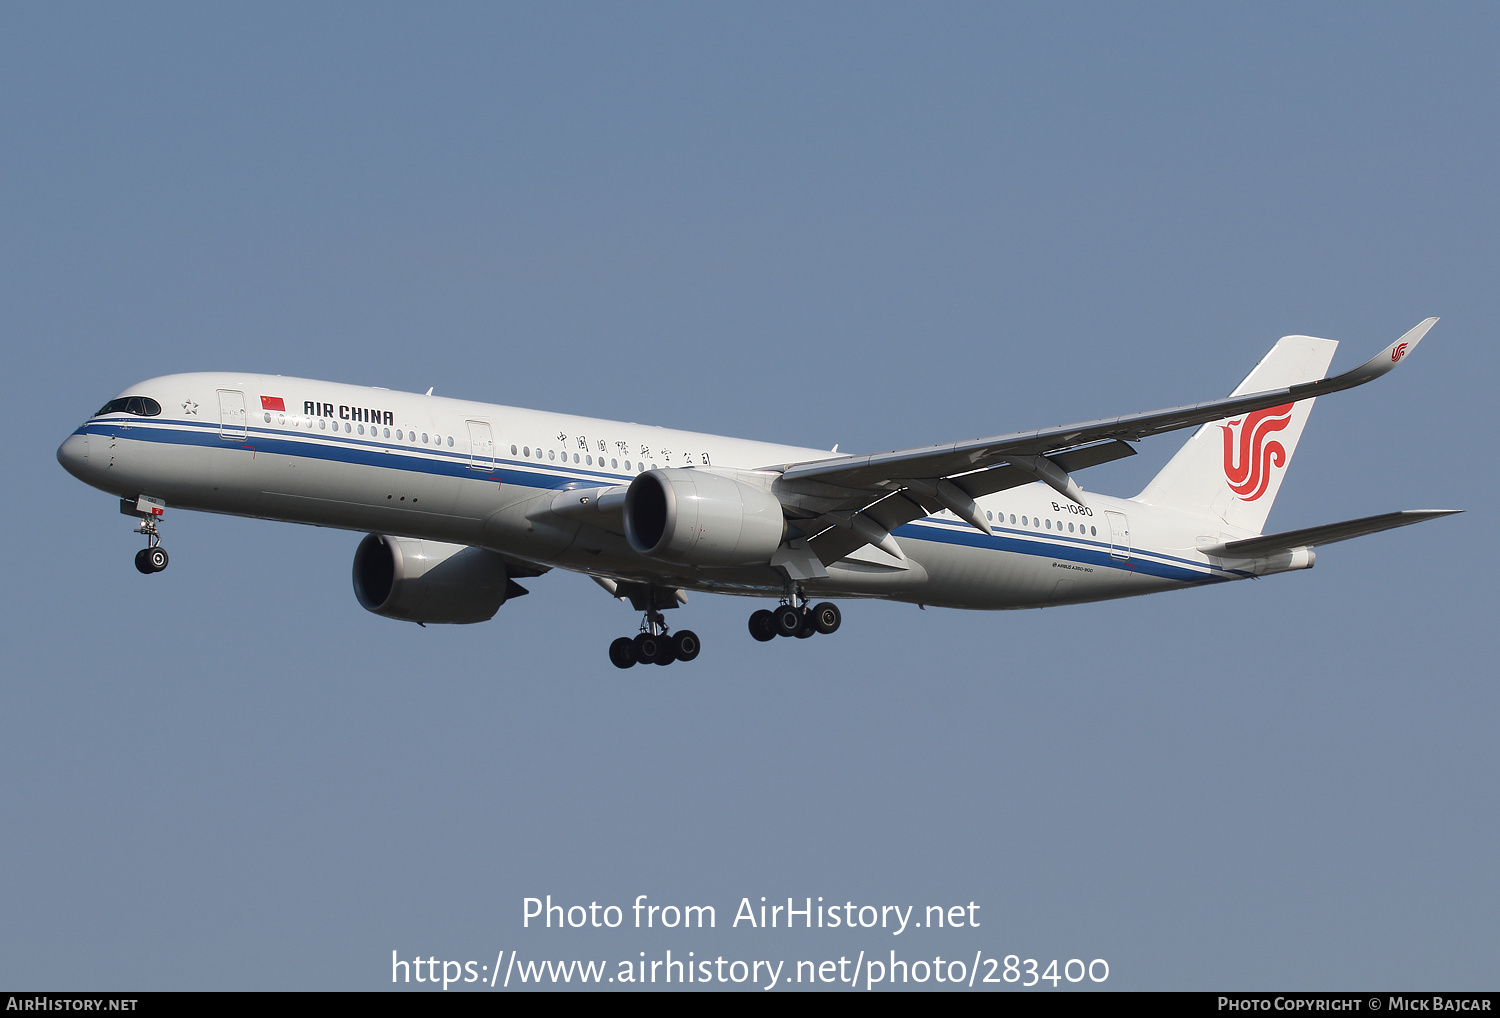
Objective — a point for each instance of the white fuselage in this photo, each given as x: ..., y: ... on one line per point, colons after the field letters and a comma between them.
x: 448, y: 470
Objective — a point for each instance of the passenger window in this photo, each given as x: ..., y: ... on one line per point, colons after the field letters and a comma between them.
x: 361, y: 429
x: 267, y: 417
x: 424, y: 438
x: 550, y: 454
x: 450, y: 441
x: 615, y: 465
x: 1023, y: 521
x: 1049, y: 524
x: 513, y: 450
x: 322, y: 424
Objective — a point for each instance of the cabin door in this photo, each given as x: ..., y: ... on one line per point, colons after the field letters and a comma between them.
x: 1119, y: 536
x: 481, y: 447
x: 232, y: 415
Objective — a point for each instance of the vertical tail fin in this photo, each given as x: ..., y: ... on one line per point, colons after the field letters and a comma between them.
x: 1231, y: 470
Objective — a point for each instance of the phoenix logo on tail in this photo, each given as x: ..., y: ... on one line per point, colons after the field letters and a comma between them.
x: 1248, y: 461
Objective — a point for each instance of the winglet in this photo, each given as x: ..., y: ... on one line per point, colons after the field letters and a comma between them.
x: 1386, y: 359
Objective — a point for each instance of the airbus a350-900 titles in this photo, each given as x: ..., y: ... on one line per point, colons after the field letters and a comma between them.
x: 459, y: 499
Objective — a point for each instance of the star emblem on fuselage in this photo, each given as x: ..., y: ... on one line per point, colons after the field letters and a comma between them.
x: 189, y: 407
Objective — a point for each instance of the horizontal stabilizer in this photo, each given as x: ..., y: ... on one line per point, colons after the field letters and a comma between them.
x: 1328, y: 533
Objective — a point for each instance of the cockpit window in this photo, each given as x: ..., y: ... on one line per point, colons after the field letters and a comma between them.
x: 141, y: 406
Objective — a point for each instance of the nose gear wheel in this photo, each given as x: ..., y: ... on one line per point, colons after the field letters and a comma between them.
x: 151, y: 560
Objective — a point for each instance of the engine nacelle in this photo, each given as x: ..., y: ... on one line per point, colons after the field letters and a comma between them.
x: 698, y: 517
x: 428, y: 581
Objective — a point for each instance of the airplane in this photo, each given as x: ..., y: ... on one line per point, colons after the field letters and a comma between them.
x: 460, y: 499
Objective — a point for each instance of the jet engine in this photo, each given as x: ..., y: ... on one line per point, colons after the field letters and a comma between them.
x: 699, y: 517
x: 428, y: 581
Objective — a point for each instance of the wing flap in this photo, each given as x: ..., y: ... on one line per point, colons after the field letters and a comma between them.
x: 893, y: 510
x: 989, y: 480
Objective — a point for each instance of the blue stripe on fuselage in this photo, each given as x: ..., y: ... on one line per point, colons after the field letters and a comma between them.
x: 429, y: 461
x: 1087, y: 552
x: 362, y: 453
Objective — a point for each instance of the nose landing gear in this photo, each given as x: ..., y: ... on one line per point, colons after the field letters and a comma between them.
x: 153, y: 557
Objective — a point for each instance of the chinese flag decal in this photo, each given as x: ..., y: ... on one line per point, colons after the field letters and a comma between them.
x: 272, y: 403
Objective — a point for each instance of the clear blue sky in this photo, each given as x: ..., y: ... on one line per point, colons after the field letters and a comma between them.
x: 880, y: 226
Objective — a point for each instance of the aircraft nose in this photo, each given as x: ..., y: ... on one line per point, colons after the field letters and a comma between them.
x: 73, y: 454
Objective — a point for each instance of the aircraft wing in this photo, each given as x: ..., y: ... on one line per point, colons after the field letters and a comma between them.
x: 868, y: 496
x: 962, y: 457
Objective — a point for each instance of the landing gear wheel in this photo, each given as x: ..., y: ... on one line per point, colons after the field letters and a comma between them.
x: 685, y: 645
x: 156, y: 558
x: 786, y: 620
x: 809, y: 627
x: 665, y: 653
x: 763, y: 625
x: 142, y: 563
x: 827, y: 617
x: 647, y: 648
x: 622, y: 652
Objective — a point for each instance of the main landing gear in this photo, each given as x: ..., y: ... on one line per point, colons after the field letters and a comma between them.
x: 653, y: 645
x: 791, y: 620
